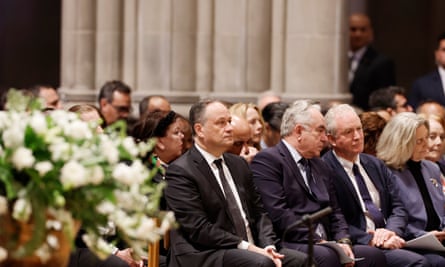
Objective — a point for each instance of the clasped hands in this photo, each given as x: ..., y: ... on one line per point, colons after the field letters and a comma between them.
x: 269, y: 252
x: 387, y: 239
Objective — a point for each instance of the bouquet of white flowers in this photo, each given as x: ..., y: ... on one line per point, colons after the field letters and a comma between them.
x: 56, y: 170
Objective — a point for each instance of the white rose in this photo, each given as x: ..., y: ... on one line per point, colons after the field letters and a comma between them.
x: 78, y: 130
x: 21, y: 210
x: 3, y: 205
x: 60, y: 150
x: 139, y: 172
x: 73, y: 175
x: 129, y: 145
x: 3, y: 254
x: 43, y: 167
x: 109, y: 150
x: 23, y: 158
x: 123, y: 173
x: 96, y: 175
x: 13, y: 136
x: 38, y: 123
x: 105, y: 207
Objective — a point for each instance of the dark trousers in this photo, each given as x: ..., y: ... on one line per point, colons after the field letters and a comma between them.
x: 435, y: 258
x: 405, y: 258
x: 83, y: 257
x: 327, y: 257
x: 245, y: 258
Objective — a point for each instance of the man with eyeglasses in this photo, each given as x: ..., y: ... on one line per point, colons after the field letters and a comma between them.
x: 293, y: 181
x: 115, y: 101
x: 389, y: 101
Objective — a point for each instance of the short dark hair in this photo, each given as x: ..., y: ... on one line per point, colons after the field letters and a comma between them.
x: 145, y: 102
x: 35, y: 90
x: 385, y: 97
x: 196, y: 113
x: 273, y: 113
x: 154, y: 124
x: 107, y: 90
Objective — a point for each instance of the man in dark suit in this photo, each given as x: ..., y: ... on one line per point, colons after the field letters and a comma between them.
x: 221, y: 217
x: 293, y: 181
x: 368, y: 69
x: 376, y: 184
x: 430, y: 86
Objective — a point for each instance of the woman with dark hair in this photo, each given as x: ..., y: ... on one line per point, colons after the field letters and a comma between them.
x: 167, y: 128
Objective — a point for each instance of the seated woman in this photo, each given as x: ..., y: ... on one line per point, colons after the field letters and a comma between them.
x: 403, y: 146
x: 436, y: 142
x: 167, y: 128
x: 373, y: 125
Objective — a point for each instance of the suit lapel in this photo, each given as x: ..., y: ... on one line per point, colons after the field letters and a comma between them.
x: 372, y: 174
x: 204, y: 169
x: 344, y: 178
x: 287, y: 157
x: 437, y: 87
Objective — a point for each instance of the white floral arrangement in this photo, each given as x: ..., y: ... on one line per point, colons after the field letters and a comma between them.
x: 55, y: 170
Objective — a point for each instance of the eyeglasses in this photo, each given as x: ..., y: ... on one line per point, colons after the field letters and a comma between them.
x: 123, y: 109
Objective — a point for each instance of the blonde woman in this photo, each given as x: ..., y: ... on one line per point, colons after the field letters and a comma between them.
x: 403, y: 146
x: 252, y: 114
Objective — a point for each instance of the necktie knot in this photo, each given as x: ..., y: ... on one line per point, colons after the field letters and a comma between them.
x: 218, y: 163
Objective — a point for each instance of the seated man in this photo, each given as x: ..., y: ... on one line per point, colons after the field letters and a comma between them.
x: 293, y: 181
x: 366, y: 190
x: 242, y: 138
x: 222, y: 221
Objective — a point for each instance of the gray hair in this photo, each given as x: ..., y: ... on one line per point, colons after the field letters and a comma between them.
x: 398, y: 139
x: 297, y: 113
x: 333, y: 113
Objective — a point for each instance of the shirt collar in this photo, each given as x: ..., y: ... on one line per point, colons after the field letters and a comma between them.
x: 295, y: 155
x: 358, y: 54
x: 207, y: 156
x: 346, y: 163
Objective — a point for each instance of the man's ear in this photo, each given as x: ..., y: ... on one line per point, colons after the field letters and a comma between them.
x: 198, y: 129
x: 103, y: 102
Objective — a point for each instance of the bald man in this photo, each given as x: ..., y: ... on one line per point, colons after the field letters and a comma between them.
x: 154, y: 103
x: 368, y: 69
x: 242, y: 138
x: 431, y: 107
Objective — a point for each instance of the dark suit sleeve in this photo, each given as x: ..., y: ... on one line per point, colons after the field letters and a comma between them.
x: 183, y: 196
x: 261, y: 225
x: 268, y: 177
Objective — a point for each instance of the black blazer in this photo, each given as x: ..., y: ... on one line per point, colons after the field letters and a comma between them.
x: 373, y: 72
x: 385, y: 182
x: 428, y: 87
x: 206, y: 228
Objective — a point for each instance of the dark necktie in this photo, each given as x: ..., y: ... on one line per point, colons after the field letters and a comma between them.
x: 238, y: 221
x: 309, y: 178
x: 375, y: 214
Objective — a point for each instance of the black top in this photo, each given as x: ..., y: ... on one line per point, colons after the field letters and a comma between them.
x: 433, y: 220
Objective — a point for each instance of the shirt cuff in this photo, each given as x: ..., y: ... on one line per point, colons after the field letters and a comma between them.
x: 243, y: 245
